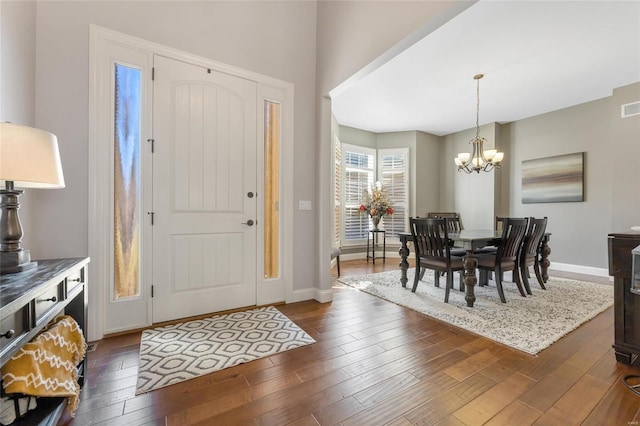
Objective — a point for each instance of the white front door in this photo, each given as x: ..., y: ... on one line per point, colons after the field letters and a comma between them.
x: 204, y: 178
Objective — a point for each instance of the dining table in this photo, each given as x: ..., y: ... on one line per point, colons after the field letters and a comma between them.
x: 472, y: 240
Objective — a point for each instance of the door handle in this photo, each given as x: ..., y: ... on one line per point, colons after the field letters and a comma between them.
x: 249, y: 222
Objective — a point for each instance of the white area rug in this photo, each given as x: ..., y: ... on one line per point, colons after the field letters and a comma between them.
x: 180, y: 352
x: 529, y: 324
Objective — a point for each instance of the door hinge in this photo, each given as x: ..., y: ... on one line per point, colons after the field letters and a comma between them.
x: 153, y: 144
x: 152, y: 216
x: 153, y: 73
x: 151, y: 291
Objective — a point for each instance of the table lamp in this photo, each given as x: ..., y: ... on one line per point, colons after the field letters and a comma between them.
x: 29, y: 158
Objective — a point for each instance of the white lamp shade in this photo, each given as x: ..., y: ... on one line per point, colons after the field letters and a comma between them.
x: 498, y: 158
x: 464, y: 157
x: 489, y: 154
x: 29, y: 157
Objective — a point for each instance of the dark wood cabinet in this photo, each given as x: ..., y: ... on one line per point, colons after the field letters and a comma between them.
x: 29, y: 300
x: 626, y: 303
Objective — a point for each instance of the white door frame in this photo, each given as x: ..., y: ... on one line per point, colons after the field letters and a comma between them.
x: 100, y: 236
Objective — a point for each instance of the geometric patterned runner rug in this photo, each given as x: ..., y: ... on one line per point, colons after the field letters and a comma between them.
x: 180, y: 352
x: 529, y: 324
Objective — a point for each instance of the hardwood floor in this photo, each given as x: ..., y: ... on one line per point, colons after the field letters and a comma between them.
x: 377, y: 363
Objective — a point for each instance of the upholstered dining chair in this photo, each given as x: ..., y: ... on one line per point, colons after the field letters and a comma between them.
x: 506, y: 257
x: 335, y: 254
x: 529, y: 255
x: 431, y: 245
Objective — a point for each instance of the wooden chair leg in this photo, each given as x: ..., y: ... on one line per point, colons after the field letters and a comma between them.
x: 448, y: 286
x: 484, y: 278
x: 338, y: 264
x: 499, y: 286
x: 416, y: 277
x: 524, y: 273
x: 422, y: 273
x: 436, y: 278
x: 536, y: 269
x: 516, y: 278
x: 461, y: 285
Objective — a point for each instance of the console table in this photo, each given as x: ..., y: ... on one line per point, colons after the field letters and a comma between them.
x: 29, y: 300
x: 626, y: 304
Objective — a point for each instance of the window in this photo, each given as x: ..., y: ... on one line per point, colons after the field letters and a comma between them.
x: 355, y: 172
x: 393, y: 174
x: 337, y: 210
x: 126, y: 183
x: 271, y: 189
x: 358, y: 169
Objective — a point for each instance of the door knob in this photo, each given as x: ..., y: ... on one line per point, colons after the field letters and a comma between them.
x: 250, y: 194
x: 249, y: 222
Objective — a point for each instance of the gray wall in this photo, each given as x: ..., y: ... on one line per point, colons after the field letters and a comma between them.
x: 272, y: 38
x: 471, y: 195
x: 18, y: 85
x: 427, y: 174
x: 424, y: 162
x: 358, y: 137
x: 612, y: 180
x: 625, y: 145
x: 579, y: 229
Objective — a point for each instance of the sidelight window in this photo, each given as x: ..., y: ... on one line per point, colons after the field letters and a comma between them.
x: 272, y: 136
x: 126, y: 182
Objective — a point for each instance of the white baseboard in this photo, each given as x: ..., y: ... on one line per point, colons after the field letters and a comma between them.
x: 579, y: 269
x: 566, y: 267
x: 393, y: 254
x: 322, y: 296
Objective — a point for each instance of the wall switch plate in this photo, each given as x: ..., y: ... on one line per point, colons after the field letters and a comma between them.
x: 304, y: 205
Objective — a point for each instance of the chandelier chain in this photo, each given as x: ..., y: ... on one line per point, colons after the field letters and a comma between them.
x: 478, y: 108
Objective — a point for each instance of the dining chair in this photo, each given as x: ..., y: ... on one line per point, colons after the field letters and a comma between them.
x: 530, y: 253
x: 432, y: 250
x: 335, y: 254
x: 506, y: 257
x: 454, y: 217
x: 454, y: 224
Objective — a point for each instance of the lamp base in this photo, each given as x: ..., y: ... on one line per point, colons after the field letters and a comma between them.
x: 15, y: 261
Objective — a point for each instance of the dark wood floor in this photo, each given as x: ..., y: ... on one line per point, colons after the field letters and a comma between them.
x: 377, y: 363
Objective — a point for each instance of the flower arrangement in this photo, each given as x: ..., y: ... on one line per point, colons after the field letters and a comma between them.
x: 376, y: 203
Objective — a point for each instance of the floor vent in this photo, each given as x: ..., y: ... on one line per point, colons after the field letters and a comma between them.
x: 92, y: 347
x: 628, y: 110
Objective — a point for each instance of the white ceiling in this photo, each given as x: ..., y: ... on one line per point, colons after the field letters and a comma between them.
x: 537, y: 56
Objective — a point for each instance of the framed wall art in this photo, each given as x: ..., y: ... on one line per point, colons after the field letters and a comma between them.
x: 556, y: 179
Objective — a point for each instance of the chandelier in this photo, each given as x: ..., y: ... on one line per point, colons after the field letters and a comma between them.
x: 479, y: 159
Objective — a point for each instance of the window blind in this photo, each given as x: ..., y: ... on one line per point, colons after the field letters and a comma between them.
x: 393, y: 173
x: 358, y: 169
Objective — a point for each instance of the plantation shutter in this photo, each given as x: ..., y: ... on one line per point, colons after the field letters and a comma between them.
x: 393, y: 173
x: 337, y: 187
x: 358, y: 173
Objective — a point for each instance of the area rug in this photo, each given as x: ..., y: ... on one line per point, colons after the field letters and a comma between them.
x: 180, y: 352
x: 529, y: 324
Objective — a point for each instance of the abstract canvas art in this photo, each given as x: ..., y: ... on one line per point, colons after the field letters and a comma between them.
x: 553, y: 179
